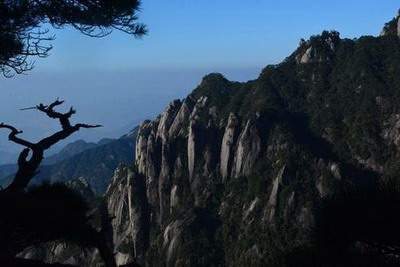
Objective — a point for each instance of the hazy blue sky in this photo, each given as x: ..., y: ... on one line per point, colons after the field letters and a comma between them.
x: 219, y: 33
x: 118, y: 80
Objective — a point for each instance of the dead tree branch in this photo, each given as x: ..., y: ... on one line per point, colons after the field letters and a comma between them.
x: 27, y: 168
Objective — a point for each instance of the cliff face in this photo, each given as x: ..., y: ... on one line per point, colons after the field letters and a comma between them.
x: 214, y: 189
x: 126, y: 198
x: 232, y: 174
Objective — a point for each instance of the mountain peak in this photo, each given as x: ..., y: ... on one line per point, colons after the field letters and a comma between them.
x: 213, y: 77
x: 318, y: 48
x: 392, y: 27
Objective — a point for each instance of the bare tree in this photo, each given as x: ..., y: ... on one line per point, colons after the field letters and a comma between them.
x: 27, y: 168
x: 16, y: 231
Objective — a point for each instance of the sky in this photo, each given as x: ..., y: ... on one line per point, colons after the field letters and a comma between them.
x: 119, y: 81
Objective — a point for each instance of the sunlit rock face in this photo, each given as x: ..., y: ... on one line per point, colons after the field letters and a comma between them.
x: 227, y: 145
x: 398, y: 26
x: 247, y: 151
x: 127, y: 202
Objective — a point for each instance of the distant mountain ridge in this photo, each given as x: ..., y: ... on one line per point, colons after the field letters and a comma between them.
x: 95, y: 165
x: 69, y: 150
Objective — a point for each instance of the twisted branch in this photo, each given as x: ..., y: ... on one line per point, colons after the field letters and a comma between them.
x: 27, y: 168
x: 13, y: 136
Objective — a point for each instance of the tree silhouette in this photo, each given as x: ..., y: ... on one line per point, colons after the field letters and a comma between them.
x: 49, y: 212
x: 27, y: 168
x: 23, y: 31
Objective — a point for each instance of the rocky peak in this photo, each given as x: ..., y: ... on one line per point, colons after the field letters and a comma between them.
x: 167, y: 118
x: 213, y: 77
x: 181, y: 118
x: 392, y: 27
x: 319, y: 48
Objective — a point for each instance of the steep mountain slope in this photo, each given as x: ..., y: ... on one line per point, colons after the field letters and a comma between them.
x: 69, y: 150
x: 233, y: 174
